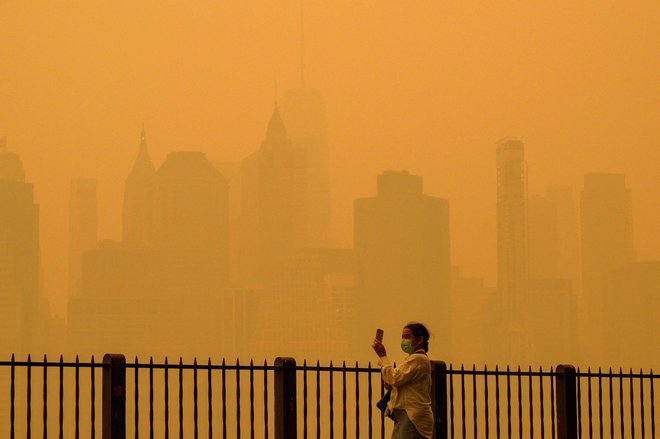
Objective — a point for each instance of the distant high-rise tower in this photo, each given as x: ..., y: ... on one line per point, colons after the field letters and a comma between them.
x: 190, y: 223
x: 273, y: 204
x: 19, y: 255
x: 83, y: 226
x: 137, y: 198
x: 511, y: 227
x: 303, y: 112
x: 607, y: 233
x: 401, y: 239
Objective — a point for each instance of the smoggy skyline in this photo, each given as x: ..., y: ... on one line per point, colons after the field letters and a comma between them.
x: 429, y: 88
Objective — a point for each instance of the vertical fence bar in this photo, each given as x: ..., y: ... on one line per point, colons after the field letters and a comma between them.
x: 611, y: 405
x: 652, y: 405
x: 265, y: 400
x: 486, y: 423
x: 343, y: 399
x: 641, y: 401
x: 12, y: 392
x: 304, y: 399
x: 566, y: 400
x: 209, y: 383
x: 238, y: 401
x: 357, y: 401
x: 28, y: 425
x: 370, y: 430
x: 114, y: 396
x: 285, y: 398
x: 463, y: 430
x: 541, y: 405
x: 180, y: 398
x: 591, y: 429
x: 195, y: 408
x: 451, y: 400
x: 508, y: 402
x: 224, y: 399
x: 552, y: 403
x: 474, y: 400
x: 137, y: 400
x: 61, y: 414
x: 332, y: 403
x: 520, y: 424
x: 167, y: 399
x: 579, y: 404
x: 151, y: 397
x: 439, y: 398
x: 77, y: 409
x: 497, y: 402
x: 632, y: 407
x: 600, y: 403
x: 93, y: 404
x: 382, y: 415
x: 318, y: 399
x: 621, y: 402
x: 251, y: 399
x: 531, y: 406
x: 45, y: 393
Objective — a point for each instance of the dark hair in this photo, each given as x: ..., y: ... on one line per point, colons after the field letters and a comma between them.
x: 419, y: 330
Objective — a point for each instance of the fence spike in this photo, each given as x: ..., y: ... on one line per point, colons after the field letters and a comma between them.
x: 77, y: 359
x: 151, y: 360
x: 92, y: 359
x: 195, y: 361
x: 223, y: 361
x: 29, y: 358
x: 61, y: 358
x: 12, y: 358
x: 180, y: 361
x: 251, y: 363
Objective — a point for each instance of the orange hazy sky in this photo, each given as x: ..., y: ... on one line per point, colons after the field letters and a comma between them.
x: 426, y: 86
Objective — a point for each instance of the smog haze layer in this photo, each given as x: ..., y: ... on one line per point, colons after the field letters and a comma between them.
x: 426, y: 87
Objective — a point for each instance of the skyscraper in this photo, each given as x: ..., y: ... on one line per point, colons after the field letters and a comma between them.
x: 607, y: 234
x: 19, y: 253
x: 607, y: 247
x: 303, y: 113
x: 83, y: 226
x: 511, y: 227
x: 137, y: 198
x: 190, y: 223
x: 401, y: 239
x: 273, y: 204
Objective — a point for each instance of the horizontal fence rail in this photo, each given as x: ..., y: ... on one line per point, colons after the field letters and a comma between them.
x: 289, y: 400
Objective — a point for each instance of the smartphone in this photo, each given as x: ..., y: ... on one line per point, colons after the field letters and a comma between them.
x: 379, y: 334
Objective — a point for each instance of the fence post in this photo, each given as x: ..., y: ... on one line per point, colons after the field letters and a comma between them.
x: 566, y: 401
x: 286, y: 424
x: 439, y: 399
x: 114, y: 396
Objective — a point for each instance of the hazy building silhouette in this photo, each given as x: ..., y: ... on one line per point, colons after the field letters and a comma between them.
x: 190, y: 223
x: 232, y: 173
x: 304, y: 115
x: 120, y: 303
x: 308, y: 310
x: 136, y: 213
x: 568, y: 236
x: 83, y: 226
x: 607, y: 233
x: 273, y: 204
x: 607, y: 246
x: 512, y: 241
x: 630, y: 329
x: 19, y: 255
x: 401, y: 239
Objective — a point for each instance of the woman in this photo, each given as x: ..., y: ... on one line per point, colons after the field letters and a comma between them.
x: 410, y: 381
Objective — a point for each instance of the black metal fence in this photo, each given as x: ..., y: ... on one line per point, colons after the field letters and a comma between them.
x: 289, y: 400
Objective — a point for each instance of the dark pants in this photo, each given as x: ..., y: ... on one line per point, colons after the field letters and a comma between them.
x: 403, y: 426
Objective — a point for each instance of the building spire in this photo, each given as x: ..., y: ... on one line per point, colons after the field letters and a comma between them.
x: 143, y: 166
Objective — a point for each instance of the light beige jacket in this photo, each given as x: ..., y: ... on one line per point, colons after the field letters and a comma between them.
x: 411, y: 389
